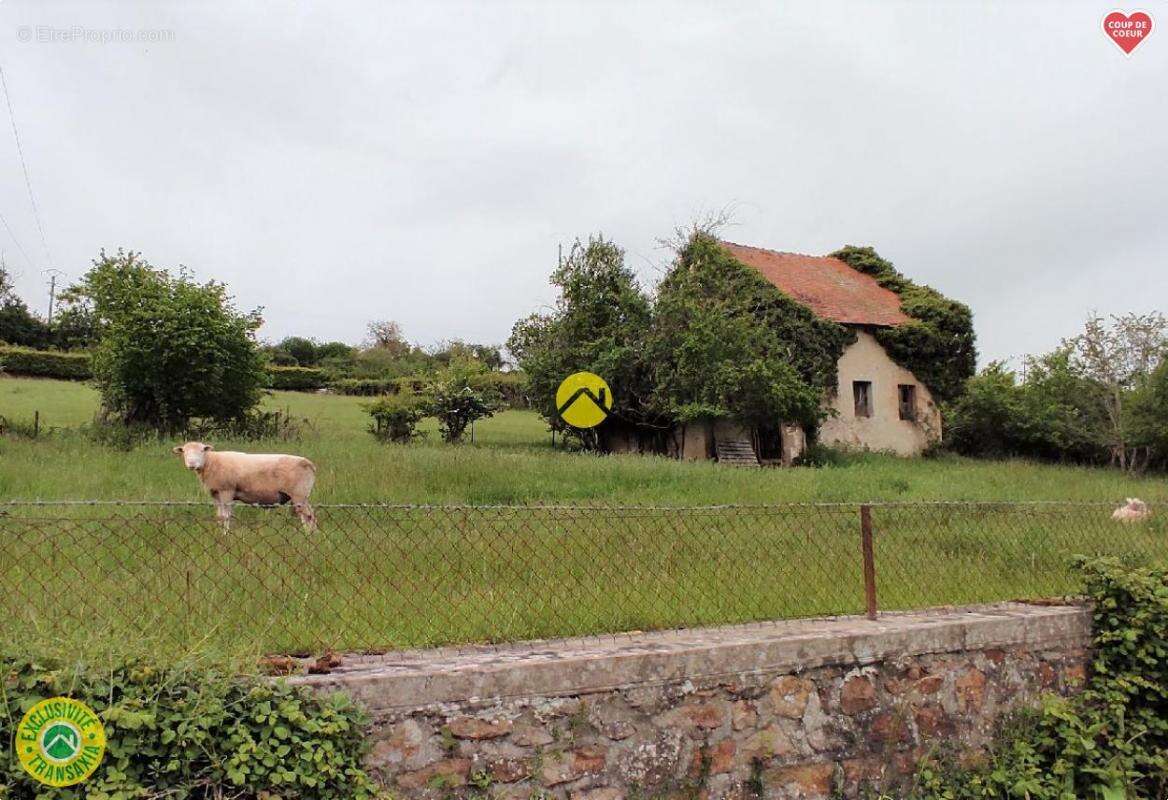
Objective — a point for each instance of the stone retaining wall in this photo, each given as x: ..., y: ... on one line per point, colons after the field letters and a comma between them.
x: 802, y: 709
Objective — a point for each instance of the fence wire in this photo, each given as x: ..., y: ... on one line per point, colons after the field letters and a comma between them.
x: 380, y: 577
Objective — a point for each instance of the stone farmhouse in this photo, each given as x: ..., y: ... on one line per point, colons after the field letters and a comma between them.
x: 879, y: 405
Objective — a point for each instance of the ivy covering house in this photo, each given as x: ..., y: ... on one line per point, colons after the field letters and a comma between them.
x: 746, y: 354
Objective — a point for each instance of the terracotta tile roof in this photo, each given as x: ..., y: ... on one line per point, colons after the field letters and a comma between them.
x: 828, y: 286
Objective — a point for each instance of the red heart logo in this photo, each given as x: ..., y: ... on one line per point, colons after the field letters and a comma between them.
x: 1127, y: 31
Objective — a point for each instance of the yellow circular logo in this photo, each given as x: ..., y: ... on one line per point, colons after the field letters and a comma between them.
x: 60, y: 741
x: 583, y: 400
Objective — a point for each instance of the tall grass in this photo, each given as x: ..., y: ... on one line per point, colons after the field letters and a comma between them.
x: 511, y: 461
x: 164, y: 578
x: 167, y: 580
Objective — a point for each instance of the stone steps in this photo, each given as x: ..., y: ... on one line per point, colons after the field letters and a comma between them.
x: 736, y: 453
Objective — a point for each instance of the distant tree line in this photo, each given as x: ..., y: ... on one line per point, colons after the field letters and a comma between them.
x: 1101, y: 397
x: 72, y: 327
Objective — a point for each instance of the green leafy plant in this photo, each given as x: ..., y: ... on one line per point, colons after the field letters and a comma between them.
x: 1109, y: 741
x: 194, y: 732
x: 599, y: 324
x: 26, y: 362
x: 458, y: 396
x: 395, y: 417
x: 169, y: 349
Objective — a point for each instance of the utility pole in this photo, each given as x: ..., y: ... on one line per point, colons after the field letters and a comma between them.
x: 52, y: 273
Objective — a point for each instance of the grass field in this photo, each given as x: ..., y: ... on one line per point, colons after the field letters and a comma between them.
x: 511, y: 462
x: 165, y: 578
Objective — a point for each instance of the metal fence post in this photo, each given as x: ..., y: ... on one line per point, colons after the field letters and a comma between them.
x: 869, y: 560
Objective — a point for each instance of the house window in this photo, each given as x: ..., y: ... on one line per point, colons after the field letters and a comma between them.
x: 862, y: 391
x: 908, y: 401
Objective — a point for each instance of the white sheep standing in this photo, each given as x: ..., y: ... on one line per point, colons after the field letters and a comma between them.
x: 1135, y: 510
x: 259, y: 479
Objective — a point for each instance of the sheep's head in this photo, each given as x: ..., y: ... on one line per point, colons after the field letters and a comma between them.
x: 194, y: 454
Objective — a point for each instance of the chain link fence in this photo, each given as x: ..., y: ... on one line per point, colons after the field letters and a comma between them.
x: 380, y: 577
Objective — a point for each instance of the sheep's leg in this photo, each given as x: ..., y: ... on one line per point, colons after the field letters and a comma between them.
x: 307, y: 516
x: 223, y: 501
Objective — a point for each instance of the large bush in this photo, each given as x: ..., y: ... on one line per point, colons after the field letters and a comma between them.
x: 170, y: 349
x: 1110, y: 741
x: 26, y: 362
x: 194, y: 732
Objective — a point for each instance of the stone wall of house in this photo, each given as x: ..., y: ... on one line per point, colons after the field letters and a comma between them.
x: 809, y: 709
x: 866, y: 360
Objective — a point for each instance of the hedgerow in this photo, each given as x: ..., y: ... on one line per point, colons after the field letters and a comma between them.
x: 194, y: 733
x: 1111, y: 740
x: 938, y: 345
x: 297, y: 379
x: 26, y: 362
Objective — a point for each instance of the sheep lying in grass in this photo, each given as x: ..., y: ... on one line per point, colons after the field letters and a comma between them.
x: 1135, y: 510
x: 259, y: 479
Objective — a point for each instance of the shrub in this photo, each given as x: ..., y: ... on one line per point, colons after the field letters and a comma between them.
x: 395, y: 416
x: 457, y: 396
x: 1109, y: 741
x: 170, y: 349
x: 26, y: 362
x: 297, y: 379
x: 195, y: 732
x: 253, y: 425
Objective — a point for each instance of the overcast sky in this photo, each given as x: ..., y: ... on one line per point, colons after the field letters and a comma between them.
x: 340, y: 162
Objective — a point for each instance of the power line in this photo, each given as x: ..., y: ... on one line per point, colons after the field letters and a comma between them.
x: 16, y: 241
x: 24, y: 166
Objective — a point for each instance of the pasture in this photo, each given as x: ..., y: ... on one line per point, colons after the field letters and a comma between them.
x: 510, y: 462
x: 621, y: 542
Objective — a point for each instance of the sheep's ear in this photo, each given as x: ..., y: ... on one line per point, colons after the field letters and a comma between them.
x: 176, y: 449
x: 207, y: 447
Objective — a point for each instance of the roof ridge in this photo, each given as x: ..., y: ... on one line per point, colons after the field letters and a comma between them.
x: 780, y: 252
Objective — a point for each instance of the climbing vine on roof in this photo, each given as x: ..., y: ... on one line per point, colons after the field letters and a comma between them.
x: 726, y: 343
x: 938, y: 345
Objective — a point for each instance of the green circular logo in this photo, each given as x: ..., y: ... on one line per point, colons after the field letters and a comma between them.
x: 60, y: 741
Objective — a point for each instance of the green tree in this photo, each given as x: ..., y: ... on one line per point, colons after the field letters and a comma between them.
x: 300, y: 348
x: 1148, y: 417
x: 1118, y: 355
x: 725, y: 342
x: 170, y: 349
x: 18, y: 325
x: 599, y: 324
